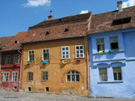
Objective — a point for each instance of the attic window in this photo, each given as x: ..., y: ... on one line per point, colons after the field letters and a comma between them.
x: 66, y: 30
x: 47, y: 33
x: 121, y: 21
x: 16, y: 41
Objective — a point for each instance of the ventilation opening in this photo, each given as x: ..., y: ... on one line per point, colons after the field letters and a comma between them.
x: 29, y: 88
x: 59, y: 19
x: 16, y: 41
x: 15, y: 87
x: 47, y: 33
x: 66, y: 30
x: 47, y: 89
x: 121, y: 21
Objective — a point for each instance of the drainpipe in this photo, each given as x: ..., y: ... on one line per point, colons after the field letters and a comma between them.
x: 20, y: 70
x: 87, y: 62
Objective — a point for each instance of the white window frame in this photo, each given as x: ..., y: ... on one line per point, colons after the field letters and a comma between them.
x: 71, y: 74
x: 103, y: 73
x: 65, y: 52
x: 14, y: 76
x: 4, y: 79
x: 15, y: 59
x: 43, y: 54
x: 29, y: 55
x: 6, y: 60
x: 79, y: 51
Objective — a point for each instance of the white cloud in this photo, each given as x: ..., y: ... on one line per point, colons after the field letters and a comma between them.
x: 84, y: 11
x: 36, y: 3
x: 128, y: 3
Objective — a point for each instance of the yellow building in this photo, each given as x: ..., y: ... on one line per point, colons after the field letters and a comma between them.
x: 54, y: 56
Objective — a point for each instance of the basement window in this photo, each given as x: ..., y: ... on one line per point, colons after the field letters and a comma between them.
x: 121, y: 21
x: 29, y: 88
x: 47, y: 33
x: 47, y: 89
x: 66, y: 30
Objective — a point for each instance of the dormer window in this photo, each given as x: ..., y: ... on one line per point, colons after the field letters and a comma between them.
x: 66, y: 30
x: 121, y: 21
x: 47, y: 33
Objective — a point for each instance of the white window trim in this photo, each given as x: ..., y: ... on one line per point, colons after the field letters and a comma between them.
x: 75, y: 77
x: 43, y: 54
x: 62, y: 51
x: 17, y: 76
x: 28, y: 54
x: 76, y: 53
x: 8, y: 76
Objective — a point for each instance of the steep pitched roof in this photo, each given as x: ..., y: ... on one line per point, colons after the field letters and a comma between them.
x: 5, y: 40
x: 67, y: 27
x: 15, y: 43
x: 104, y: 22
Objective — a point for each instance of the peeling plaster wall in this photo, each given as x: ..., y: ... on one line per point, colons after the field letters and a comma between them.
x: 56, y: 70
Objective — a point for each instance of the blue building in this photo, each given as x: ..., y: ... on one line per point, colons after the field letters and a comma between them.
x: 112, y: 54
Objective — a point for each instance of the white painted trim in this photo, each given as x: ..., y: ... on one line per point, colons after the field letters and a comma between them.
x: 65, y: 51
x: 79, y: 51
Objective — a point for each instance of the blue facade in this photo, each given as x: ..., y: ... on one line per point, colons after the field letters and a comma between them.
x: 123, y: 59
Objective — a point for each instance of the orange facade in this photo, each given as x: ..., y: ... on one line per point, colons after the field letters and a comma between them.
x: 56, y: 80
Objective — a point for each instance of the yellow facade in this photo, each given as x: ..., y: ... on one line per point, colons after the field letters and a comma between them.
x: 57, y: 71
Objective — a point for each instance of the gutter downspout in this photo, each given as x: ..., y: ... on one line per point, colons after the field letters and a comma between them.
x: 20, y: 70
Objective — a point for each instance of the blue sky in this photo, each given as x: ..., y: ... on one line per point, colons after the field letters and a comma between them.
x: 19, y: 15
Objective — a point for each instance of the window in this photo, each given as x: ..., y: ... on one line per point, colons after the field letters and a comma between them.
x: 45, y: 54
x: 114, y: 43
x: 7, y: 60
x: 100, y: 45
x: 44, y: 76
x: 79, y: 51
x: 117, y: 73
x: 65, y: 52
x: 16, y: 58
x: 31, y: 55
x: 30, y: 76
x: 14, y: 76
x: 121, y: 21
x: 103, y: 74
x: 72, y: 76
x: 5, y: 77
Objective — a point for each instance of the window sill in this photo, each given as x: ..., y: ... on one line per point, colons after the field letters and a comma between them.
x: 44, y: 80
x: 102, y: 82
x: 66, y: 59
x: 30, y: 81
x: 107, y: 53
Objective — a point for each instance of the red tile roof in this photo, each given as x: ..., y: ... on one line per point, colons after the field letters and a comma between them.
x: 15, y: 43
x: 77, y: 26
x: 103, y: 22
x: 5, y: 40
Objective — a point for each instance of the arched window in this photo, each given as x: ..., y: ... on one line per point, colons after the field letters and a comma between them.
x: 73, y: 76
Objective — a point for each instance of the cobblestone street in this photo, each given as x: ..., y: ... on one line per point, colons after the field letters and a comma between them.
x: 25, y: 96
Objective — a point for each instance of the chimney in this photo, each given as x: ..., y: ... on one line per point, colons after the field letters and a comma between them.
x: 50, y: 17
x: 119, y: 4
